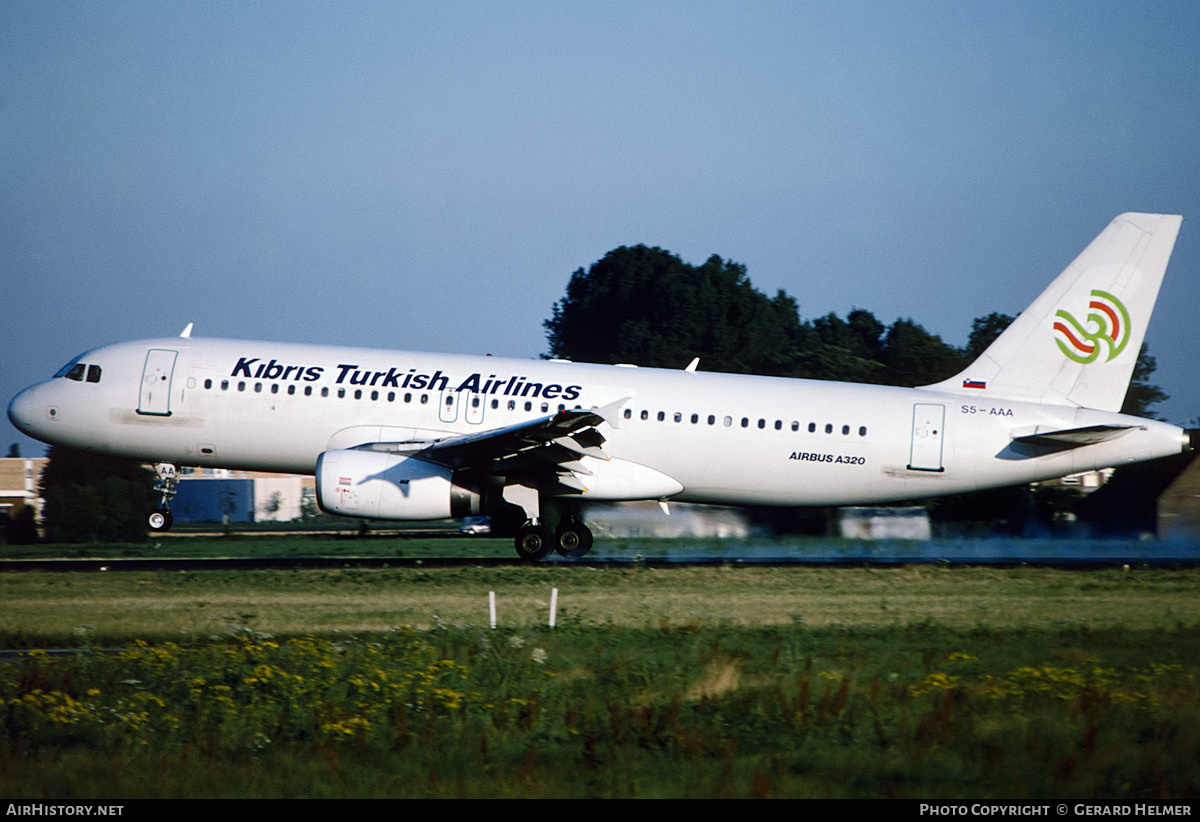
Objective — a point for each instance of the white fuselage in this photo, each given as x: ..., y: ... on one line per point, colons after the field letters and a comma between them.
x: 719, y: 438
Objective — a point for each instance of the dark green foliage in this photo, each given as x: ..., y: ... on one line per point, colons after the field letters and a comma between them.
x: 916, y: 357
x: 646, y: 306
x: 92, y: 498
x: 984, y: 331
x: 1142, y: 396
x: 20, y: 529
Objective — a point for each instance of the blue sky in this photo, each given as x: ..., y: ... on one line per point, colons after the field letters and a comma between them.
x: 428, y: 175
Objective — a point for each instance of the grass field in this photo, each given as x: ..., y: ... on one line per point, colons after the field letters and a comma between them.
x: 731, y: 681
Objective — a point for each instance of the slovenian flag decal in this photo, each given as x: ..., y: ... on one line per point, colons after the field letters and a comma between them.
x: 974, y: 384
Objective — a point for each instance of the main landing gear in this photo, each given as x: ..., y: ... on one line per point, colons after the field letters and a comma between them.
x: 535, y: 539
x: 572, y: 539
x: 166, y: 485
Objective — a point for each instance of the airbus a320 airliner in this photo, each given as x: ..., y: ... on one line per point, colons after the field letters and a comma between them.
x: 394, y: 435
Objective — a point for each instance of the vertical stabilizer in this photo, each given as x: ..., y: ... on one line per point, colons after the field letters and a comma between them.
x: 1078, y: 342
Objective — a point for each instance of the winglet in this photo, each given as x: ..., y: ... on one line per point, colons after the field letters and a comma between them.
x: 187, y: 332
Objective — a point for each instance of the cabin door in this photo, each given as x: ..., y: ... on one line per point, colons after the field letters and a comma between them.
x: 927, y: 437
x: 155, y: 398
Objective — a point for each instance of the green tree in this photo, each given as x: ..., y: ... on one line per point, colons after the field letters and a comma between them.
x: 91, y: 498
x: 913, y: 356
x: 848, y: 350
x: 646, y: 306
x: 984, y: 331
x: 1142, y: 395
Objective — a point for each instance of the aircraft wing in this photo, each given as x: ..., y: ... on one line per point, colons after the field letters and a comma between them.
x: 537, y: 452
x: 1073, y: 437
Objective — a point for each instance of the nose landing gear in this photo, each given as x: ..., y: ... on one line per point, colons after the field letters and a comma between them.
x: 166, y: 485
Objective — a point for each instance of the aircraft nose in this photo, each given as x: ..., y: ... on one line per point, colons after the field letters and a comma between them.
x: 29, y: 412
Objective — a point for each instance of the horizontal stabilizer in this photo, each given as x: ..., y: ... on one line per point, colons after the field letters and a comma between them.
x: 1074, y: 437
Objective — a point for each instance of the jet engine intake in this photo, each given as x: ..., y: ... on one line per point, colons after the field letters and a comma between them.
x: 379, y: 485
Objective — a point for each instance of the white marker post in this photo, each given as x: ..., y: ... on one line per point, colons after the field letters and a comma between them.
x: 553, y: 605
x: 492, y: 608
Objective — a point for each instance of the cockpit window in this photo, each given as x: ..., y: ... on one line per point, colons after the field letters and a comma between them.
x: 73, y: 371
x: 78, y: 371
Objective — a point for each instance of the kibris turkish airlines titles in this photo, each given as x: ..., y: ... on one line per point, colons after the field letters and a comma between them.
x: 354, y: 374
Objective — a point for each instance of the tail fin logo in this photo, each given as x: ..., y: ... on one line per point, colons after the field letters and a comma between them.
x: 1104, y: 332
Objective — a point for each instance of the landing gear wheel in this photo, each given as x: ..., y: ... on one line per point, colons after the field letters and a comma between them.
x: 573, y: 540
x: 160, y: 519
x: 533, y: 542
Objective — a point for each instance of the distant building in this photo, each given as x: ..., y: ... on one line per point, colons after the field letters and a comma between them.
x: 1179, y: 505
x: 884, y: 523
x: 647, y: 519
x: 20, y: 481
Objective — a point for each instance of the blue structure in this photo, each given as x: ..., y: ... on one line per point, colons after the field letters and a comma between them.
x: 214, y: 500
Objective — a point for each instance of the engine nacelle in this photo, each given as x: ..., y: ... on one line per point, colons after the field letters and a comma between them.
x: 379, y: 485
